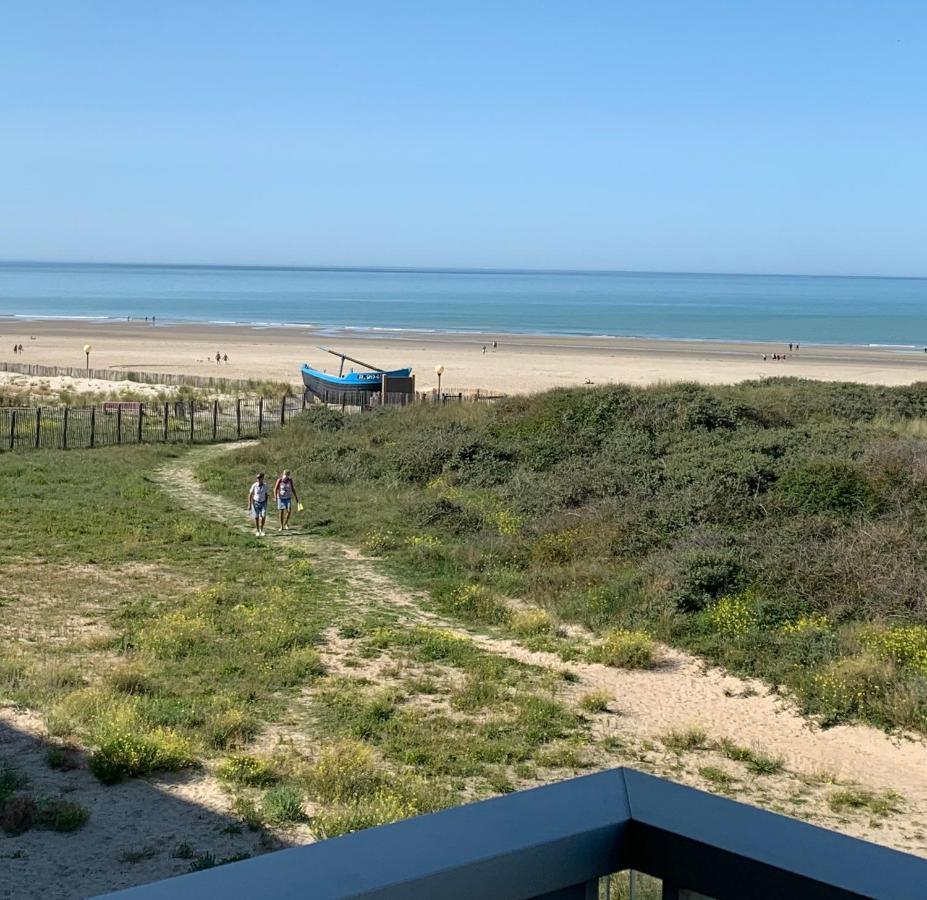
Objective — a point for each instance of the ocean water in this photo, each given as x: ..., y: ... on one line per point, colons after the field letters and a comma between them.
x: 826, y: 310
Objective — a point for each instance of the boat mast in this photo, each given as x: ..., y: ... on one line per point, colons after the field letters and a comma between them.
x: 344, y: 356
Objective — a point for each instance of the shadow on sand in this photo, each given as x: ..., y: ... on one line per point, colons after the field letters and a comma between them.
x: 139, y: 831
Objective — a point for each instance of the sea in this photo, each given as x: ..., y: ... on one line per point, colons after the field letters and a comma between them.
x: 860, y: 311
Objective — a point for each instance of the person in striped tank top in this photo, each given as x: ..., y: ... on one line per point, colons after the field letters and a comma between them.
x: 285, y: 495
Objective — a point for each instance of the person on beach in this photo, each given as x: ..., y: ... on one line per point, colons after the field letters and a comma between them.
x: 285, y: 495
x: 218, y: 357
x: 225, y: 357
x: 257, y: 504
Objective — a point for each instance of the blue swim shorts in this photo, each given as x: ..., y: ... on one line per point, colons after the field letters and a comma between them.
x: 284, y: 502
x: 258, y: 510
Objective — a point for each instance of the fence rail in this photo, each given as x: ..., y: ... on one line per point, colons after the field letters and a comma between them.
x: 134, y: 422
x: 110, y: 424
x: 202, y: 381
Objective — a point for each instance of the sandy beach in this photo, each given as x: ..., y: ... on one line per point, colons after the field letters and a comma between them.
x: 519, y: 364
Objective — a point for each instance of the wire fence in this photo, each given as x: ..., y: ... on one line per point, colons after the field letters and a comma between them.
x: 123, y: 422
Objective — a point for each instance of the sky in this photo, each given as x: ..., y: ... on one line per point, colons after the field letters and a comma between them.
x: 670, y: 136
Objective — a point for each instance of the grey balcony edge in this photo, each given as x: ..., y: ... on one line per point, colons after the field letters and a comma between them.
x: 563, y: 836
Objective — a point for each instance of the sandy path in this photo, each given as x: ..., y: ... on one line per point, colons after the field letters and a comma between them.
x: 681, y: 691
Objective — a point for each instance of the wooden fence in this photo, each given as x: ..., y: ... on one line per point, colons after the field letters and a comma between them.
x: 201, y: 381
x: 109, y: 424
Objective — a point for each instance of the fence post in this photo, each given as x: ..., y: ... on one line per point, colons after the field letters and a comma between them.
x: 261, y: 416
x: 38, y: 426
x: 119, y: 423
x: 141, y: 413
x: 238, y: 417
x: 215, y: 419
x: 64, y: 430
x: 304, y: 398
x: 192, y: 421
x: 93, y: 426
x: 283, y: 410
x: 12, y: 428
x: 165, y: 422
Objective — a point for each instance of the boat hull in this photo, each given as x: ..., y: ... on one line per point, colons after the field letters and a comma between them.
x: 353, y: 382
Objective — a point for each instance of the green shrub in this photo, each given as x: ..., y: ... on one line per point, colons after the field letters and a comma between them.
x: 625, y: 649
x: 904, y: 645
x: 851, y: 687
x: 734, y: 616
x: 825, y: 486
x: 530, y: 622
x: 344, y: 772
x: 595, y: 702
x: 706, y: 576
x: 383, y: 807
x: 283, y: 805
x: 61, y: 815
x: 11, y: 780
x: 247, y: 770
x: 124, y: 755
x: 473, y: 601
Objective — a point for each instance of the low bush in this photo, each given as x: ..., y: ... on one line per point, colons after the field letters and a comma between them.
x: 246, y: 770
x: 124, y: 755
x: 625, y: 649
x: 530, y: 622
x: 475, y: 602
x: 595, y: 702
x: 825, y: 486
x: 283, y: 805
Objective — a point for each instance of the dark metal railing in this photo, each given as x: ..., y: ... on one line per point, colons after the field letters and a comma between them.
x: 557, y: 842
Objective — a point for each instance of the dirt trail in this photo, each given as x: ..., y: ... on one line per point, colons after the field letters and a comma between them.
x: 680, y: 692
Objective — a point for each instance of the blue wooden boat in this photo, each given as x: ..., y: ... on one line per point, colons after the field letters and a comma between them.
x: 346, y: 385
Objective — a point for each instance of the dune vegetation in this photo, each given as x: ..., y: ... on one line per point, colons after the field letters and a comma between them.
x: 778, y: 529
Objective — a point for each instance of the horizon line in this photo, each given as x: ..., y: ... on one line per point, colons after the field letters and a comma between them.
x: 439, y: 270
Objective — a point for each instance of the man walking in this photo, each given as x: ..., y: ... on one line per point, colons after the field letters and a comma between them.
x: 285, y: 494
x: 257, y: 504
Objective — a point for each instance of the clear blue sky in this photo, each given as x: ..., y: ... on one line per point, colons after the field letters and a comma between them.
x: 701, y: 136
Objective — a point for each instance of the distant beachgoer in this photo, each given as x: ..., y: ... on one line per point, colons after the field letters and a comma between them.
x: 484, y: 348
x: 218, y: 357
x: 285, y: 495
x: 764, y: 357
x: 790, y: 347
x: 20, y: 348
x: 225, y: 357
x: 16, y: 349
x: 797, y: 346
x: 153, y: 319
x: 257, y: 504
x: 495, y: 345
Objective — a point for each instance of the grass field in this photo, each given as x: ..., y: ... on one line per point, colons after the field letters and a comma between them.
x: 526, y: 550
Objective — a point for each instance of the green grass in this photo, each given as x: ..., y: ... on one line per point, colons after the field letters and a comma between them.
x: 202, y: 634
x: 682, y: 740
x: 859, y: 800
x: 198, y: 637
x: 718, y: 778
x: 757, y: 763
x: 748, y: 524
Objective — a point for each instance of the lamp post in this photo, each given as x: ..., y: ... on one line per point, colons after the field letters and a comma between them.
x: 87, y: 349
x: 439, y: 371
